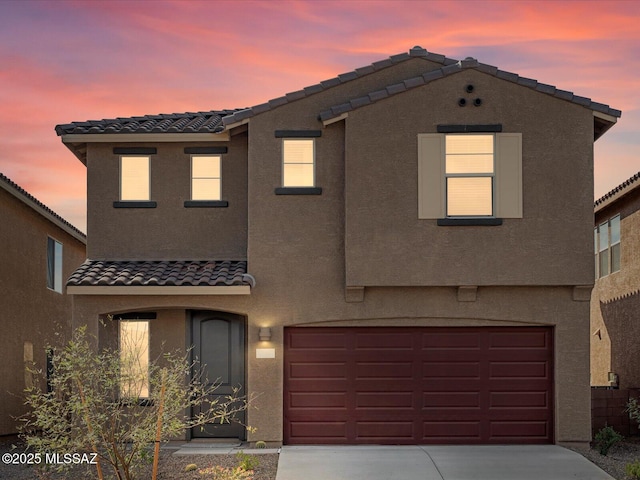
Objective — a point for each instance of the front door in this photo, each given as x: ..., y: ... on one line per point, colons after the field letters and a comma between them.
x: 219, y: 353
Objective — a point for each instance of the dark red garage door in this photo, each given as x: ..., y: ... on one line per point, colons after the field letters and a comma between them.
x: 418, y: 385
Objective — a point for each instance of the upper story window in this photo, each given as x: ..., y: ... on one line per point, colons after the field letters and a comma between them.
x: 134, y: 178
x: 206, y: 177
x: 469, y: 178
x: 298, y: 162
x: 607, y: 247
x: 54, y: 265
x: 469, y: 171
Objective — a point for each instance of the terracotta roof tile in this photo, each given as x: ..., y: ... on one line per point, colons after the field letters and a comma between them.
x: 161, y: 273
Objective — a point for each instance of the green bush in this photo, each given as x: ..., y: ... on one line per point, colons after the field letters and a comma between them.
x: 606, y: 438
x: 247, y: 462
x: 633, y: 469
x: 191, y: 467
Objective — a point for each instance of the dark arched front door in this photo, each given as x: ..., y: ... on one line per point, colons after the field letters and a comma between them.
x: 219, y: 350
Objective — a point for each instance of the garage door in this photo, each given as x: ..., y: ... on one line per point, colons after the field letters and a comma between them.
x: 418, y: 385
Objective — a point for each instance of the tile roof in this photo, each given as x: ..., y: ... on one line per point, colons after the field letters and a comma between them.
x: 450, y: 69
x: 625, y: 187
x: 20, y: 193
x: 415, y: 52
x: 449, y: 66
x: 190, y: 122
x: 173, y: 273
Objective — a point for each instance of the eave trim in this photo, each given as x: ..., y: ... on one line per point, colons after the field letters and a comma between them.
x: 160, y: 290
x: 145, y: 137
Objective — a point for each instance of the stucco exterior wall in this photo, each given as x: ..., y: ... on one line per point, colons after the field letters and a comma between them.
x: 295, y: 245
x: 615, y: 302
x: 160, y: 233
x: 386, y: 242
x: 31, y: 315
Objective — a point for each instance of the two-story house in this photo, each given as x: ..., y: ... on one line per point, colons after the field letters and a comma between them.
x: 401, y: 254
x: 615, y: 301
x: 38, y: 252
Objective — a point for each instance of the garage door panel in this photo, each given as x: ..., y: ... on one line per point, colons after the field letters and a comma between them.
x: 385, y: 400
x: 419, y: 385
x: 449, y: 400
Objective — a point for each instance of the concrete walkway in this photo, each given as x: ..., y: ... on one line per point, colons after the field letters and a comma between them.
x: 530, y: 462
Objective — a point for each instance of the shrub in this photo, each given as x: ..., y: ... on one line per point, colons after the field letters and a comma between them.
x: 261, y: 444
x: 633, y: 469
x: 247, y: 462
x: 86, y: 410
x: 191, y: 467
x: 606, y: 438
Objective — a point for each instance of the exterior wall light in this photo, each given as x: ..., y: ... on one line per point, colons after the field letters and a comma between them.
x: 265, y: 334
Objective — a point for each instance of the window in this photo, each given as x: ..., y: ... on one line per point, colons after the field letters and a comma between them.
x: 134, y: 178
x: 607, y: 247
x: 469, y: 173
x: 54, y: 265
x: 206, y: 177
x: 134, y: 358
x: 298, y: 162
x: 474, y: 177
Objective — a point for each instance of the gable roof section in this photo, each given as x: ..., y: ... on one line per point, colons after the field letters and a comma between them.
x: 617, y: 193
x: 604, y: 116
x: 40, y: 208
x: 188, y: 277
x: 416, y: 52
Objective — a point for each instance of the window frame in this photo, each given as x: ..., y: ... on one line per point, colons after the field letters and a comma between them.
x: 491, y: 175
x: 604, y: 229
x: 219, y: 178
x: 55, y: 265
x: 508, y: 180
x: 123, y: 393
x: 121, y: 178
x: 313, y: 161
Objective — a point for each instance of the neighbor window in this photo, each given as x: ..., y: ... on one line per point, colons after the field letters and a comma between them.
x: 54, y: 265
x: 607, y: 247
x: 469, y: 170
x: 134, y: 178
x: 205, y: 177
x: 298, y: 162
x: 134, y: 359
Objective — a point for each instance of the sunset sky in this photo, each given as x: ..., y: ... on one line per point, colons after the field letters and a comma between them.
x: 83, y: 60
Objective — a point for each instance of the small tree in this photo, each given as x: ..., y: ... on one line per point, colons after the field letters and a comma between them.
x: 94, y: 407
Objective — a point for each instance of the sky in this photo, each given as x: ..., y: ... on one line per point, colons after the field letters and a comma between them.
x: 64, y: 61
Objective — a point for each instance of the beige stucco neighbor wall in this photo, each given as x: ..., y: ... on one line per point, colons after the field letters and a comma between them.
x: 31, y: 315
x: 615, y: 303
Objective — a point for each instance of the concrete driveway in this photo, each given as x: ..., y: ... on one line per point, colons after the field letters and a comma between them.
x: 529, y: 462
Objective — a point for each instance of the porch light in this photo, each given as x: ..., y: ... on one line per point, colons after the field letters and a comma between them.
x: 265, y: 334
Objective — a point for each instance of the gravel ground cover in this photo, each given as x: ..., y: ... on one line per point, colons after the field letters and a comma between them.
x: 172, y: 467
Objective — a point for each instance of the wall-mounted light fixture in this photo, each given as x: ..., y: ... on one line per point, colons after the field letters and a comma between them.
x: 265, y: 334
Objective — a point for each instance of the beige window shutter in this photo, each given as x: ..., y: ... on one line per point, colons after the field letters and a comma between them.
x: 431, y: 150
x: 508, y: 175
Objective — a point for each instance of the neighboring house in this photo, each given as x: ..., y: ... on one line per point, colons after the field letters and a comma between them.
x: 615, y: 301
x: 38, y: 252
x: 401, y: 254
